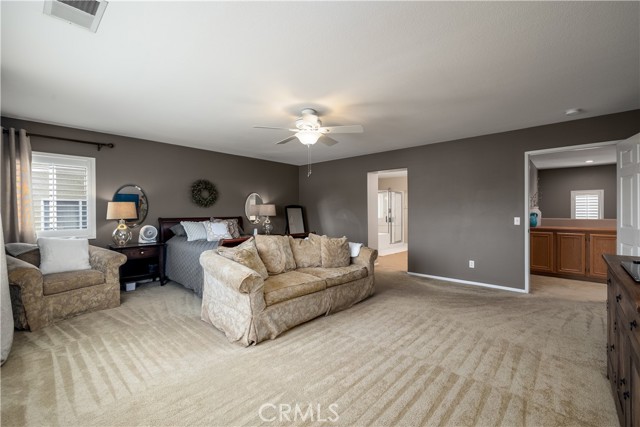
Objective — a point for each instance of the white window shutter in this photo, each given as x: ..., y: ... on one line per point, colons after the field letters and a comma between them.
x: 63, y: 195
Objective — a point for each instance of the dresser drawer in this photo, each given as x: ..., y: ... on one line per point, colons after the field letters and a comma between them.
x: 630, y: 317
x: 140, y: 253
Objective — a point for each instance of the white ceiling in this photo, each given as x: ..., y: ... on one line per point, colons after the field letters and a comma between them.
x: 601, y: 155
x: 201, y: 74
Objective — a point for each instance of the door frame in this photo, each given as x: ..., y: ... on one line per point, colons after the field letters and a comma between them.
x: 525, y: 218
x: 372, y: 201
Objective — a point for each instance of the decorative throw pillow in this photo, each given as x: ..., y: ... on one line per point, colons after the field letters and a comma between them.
x: 216, y: 231
x: 178, y: 230
x: 58, y: 255
x: 354, y: 249
x: 247, y: 255
x: 306, y: 252
x: 335, y: 252
x: 194, y: 230
x: 275, y: 253
x: 232, y: 226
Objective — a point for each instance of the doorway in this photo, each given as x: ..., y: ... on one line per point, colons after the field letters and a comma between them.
x: 557, y: 236
x: 388, y: 194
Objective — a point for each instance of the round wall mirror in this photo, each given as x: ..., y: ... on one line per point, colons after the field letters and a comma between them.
x: 251, y: 208
x: 133, y: 193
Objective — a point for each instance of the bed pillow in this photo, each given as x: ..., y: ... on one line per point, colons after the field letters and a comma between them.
x: 275, y: 253
x: 178, y: 230
x: 194, y: 230
x: 216, y: 230
x: 232, y: 226
x: 59, y: 255
x: 306, y: 252
x: 246, y: 254
x: 335, y: 252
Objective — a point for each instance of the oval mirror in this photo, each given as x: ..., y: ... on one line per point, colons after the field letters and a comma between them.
x: 251, y: 208
x: 133, y: 193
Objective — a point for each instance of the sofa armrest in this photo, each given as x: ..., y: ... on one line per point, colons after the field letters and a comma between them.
x: 232, y: 274
x: 106, y: 261
x: 367, y: 257
x: 26, y: 276
x: 27, y: 294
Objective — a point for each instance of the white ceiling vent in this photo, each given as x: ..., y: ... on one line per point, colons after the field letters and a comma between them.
x: 85, y: 13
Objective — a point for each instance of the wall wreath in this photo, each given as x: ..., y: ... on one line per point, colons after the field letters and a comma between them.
x: 204, y: 193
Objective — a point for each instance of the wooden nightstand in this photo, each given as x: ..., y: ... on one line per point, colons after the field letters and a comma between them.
x: 144, y: 261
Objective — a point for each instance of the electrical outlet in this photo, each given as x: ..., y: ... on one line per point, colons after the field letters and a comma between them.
x: 516, y: 220
x: 472, y: 264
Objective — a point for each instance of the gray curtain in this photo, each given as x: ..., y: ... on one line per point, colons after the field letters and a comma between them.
x: 6, y: 315
x: 15, y: 194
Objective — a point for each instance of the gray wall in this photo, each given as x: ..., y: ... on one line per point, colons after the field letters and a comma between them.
x: 464, y: 195
x: 166, y: 173
x: 556, y: 185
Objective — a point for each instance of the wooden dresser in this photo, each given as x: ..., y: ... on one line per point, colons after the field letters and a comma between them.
x: 571, y: 252
x: 623, y: 340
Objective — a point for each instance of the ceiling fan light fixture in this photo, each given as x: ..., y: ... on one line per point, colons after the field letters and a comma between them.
x: 308, y: 137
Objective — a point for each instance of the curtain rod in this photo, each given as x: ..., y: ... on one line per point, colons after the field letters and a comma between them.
x: 79, y: 141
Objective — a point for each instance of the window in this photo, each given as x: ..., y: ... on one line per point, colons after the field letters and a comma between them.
x: 587, y: 204
x: 63, y: 189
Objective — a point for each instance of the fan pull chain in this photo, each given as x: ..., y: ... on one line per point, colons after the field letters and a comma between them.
x: 308, y: 161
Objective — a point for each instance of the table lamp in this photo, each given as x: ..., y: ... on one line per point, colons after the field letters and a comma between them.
x: 267, y: 211
x: 121, y: 211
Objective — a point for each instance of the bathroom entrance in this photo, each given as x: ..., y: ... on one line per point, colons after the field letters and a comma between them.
x: 388, y: 194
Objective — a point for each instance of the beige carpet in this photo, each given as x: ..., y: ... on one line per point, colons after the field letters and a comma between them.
x: 419, y: 352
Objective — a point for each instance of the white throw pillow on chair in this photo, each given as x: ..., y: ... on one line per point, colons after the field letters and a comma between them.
x: 59, y: 255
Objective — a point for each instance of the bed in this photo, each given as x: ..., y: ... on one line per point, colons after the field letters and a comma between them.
x: 182, y: 263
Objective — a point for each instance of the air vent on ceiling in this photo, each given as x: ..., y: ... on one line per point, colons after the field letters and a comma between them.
x: 85, y: 13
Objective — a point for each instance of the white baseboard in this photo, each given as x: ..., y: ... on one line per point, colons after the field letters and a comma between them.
x: 468, y: 282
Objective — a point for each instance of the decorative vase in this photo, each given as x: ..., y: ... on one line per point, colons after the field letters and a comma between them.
x: 535, y: 217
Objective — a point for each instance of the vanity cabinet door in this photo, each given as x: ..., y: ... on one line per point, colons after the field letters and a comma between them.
x: 541, y: 248
x: 600, y: 244
x: 571, y: 253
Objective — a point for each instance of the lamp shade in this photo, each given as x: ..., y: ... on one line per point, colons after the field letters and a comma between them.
x: 121, y: 210
x: 267, y: 210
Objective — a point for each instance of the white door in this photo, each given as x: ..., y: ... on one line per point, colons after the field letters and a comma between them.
x: 629, y: 196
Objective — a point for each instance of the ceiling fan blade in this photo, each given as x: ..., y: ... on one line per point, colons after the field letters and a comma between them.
x: 342, y: 129
x: 328, y: 141
x: 284, y: 141
x: 269, y: 127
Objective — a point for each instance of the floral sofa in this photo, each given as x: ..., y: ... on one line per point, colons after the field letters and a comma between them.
x: 269, y: 284
x: 40, y: 299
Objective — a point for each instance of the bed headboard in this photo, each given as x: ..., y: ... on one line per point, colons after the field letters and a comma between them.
x: 165, y: 224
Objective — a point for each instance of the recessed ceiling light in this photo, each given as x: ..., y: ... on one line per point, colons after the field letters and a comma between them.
x: 573, y: 111
x: 588, y: 161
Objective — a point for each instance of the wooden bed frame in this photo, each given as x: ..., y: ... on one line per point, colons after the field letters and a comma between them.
x: 165, y: 225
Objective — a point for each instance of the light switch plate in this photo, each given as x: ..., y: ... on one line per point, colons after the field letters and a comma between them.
x: 516, y: 220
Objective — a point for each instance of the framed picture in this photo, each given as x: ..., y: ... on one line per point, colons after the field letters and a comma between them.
x: 295, y: 219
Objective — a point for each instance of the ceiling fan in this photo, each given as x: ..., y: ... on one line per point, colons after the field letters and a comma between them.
x: 309, y: 129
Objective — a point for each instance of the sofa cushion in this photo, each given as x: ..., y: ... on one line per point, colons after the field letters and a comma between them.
x: 306, y: 252
x: 337, y: 276
x: 289, y: 285
x: 247, y: 255
x: 56, y: 283
x: 335, y: 252
x: 275, y: 253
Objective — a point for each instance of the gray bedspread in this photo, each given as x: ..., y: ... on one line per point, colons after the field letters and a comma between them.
x: 183, y: 261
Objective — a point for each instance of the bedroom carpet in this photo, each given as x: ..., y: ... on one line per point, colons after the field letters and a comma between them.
x: 419, y: 352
